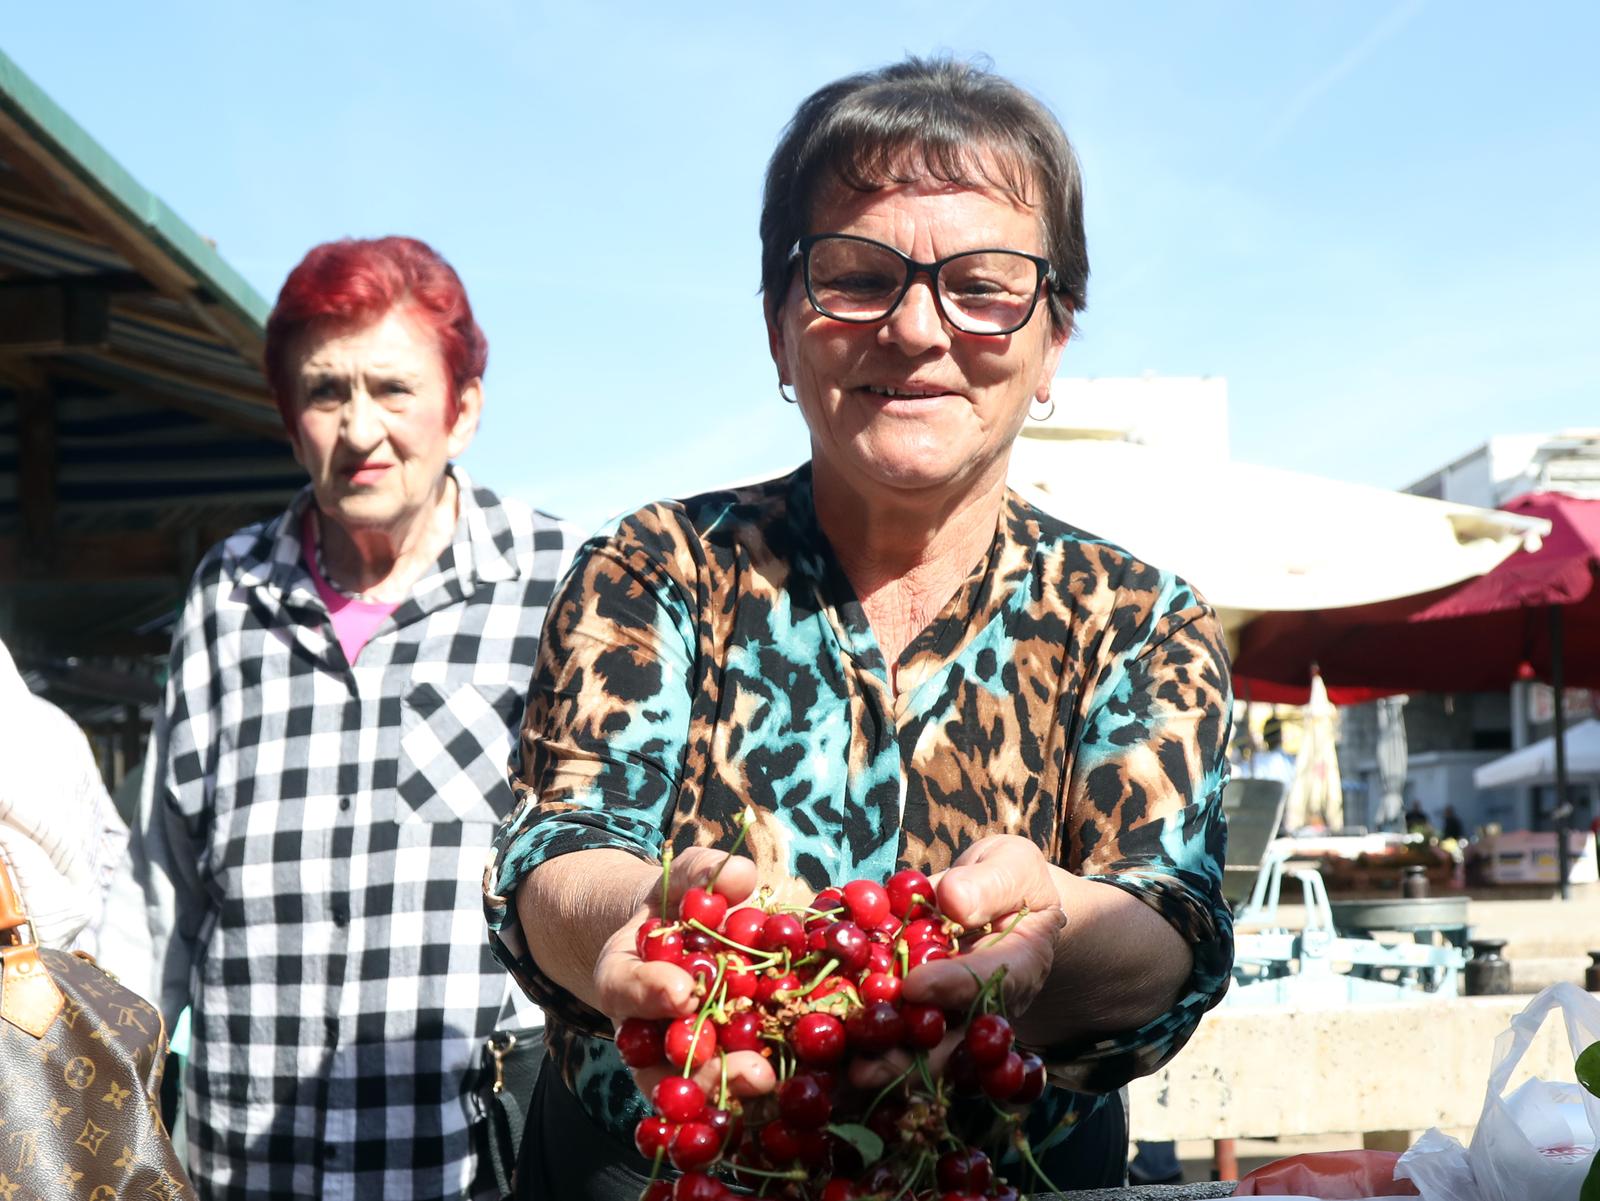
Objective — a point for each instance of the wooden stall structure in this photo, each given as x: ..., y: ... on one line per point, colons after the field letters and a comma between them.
x: 136, y: 427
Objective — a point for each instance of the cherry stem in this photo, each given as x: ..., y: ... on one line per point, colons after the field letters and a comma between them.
x: 722, y: 1095
x: 828, y: 970
x: 666, y: 873
x: 769, y: 957
x: 745, y: 819
x: 1020, y: 1141
x: 887, y: 1088
x: 1010, y: 926
x: 791, y: 1174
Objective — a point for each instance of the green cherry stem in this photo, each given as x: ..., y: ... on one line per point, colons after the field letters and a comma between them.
x: 746, y: 820
x: 666, y: 872
x: 1024, y: 1149
x: 1009, y: 927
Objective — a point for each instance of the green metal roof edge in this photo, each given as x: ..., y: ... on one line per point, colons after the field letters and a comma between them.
x: 45, y: 119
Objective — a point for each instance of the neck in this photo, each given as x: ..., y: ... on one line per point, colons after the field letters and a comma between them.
x: 383, y: 562
x: 906, y: 554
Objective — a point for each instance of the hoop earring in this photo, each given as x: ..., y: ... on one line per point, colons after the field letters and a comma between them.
x: 787, y: 397
x: 1048, y: 413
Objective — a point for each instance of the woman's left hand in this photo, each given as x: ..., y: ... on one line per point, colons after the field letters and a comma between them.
x: 1003, y: 882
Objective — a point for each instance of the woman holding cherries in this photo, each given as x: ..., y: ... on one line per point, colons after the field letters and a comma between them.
x: 883, y: 663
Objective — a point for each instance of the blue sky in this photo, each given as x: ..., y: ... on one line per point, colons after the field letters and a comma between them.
x: 1377, y: 220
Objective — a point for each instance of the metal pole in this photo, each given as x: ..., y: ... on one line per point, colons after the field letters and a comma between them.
x: 1563, y: 811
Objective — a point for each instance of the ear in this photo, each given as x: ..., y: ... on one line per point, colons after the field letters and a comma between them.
x: 1052, y: 358
x: 777, y: 346
x: 469, y: 407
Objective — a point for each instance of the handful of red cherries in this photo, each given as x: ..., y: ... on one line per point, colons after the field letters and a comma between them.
x: 810, y: 988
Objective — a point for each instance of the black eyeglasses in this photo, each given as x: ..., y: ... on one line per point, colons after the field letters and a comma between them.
x: 992, y: 292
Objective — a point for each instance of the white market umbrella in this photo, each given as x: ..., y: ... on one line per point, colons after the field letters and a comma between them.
x: 1257, y: 539
x: 1536, y: 762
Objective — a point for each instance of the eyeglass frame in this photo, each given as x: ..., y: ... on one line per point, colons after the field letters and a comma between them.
x: 1046, y: 279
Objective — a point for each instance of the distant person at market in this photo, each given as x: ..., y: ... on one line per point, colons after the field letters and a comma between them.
x: 346, y: 681
x: 887, y: 657
x: 1452, y: 826
x: 1271, y: 762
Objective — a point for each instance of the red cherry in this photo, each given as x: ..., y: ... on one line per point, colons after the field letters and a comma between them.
x: 924, y: 952
x: 964, y: 1171
x: 783, y: 932
x: 700, y: 905
x: 743, y: 925
x: 816, y: 936
x: 1033, y: 1080
x: 681, y: 1043
x: 803, y: 1103
x: 818, y: 1038
x: 698, y: 940
x: 847, y: 942
x: 780, y: 1141
x: 652, y: 1135
x: 880, y: 958
x: 839, y: 1189
x: 701, y: 966
x: 827, y: 1077
x: 813, y: 1147
x: 678, y: 1099
x: 875, y: 1029
x: 729, y: 1126
x: 741, y: 979
x: 925, y: 1025
x: 828, y: 899
x: 646, y: 928
x: 694, y: 1145
x: 989, y: 1038
x: 768, y: 986
x: 697, y: 1186
x: 659, y: 1190
x: 905, y: 889
x: 1001, y: 1081
x: 664, y: 946
x: 924, y: 929
x: 639, y: 1043
x: 880, y: 1178
x: 741, y: 1032
x: 828, y: 987
x: 881, y: 986
x: 962, y: 1072
x: 868, y: 903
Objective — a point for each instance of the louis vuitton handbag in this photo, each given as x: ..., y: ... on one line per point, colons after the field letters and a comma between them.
x: 80, y: 1077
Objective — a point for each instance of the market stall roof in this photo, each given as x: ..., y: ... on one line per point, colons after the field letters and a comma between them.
x: 136, y: 426
x: 1536, y: 762
x: 1261, y: 539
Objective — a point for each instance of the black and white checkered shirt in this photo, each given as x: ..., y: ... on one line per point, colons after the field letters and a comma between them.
x: 317, y: 834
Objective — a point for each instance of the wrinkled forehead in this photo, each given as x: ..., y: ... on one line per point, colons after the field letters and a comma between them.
x: 999, y: 173
x: 397, y: 336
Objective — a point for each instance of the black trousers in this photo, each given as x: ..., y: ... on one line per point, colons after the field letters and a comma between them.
x: 566, y: 1156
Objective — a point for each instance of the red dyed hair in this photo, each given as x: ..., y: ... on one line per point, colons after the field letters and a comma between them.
x: 355, y: 281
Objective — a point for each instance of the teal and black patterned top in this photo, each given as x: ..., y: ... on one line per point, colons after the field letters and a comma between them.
x: 709, y: 654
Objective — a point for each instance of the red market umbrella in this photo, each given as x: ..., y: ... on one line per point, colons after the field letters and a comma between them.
x: 1536, y: 615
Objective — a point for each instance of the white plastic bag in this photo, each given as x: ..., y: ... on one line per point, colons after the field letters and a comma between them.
x: 1534, y: 1145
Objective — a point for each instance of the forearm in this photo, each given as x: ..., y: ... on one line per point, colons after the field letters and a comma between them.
x: 571, y: 905
x: 1118, y: 964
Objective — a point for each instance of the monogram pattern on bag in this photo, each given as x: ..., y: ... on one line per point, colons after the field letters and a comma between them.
x: 80, y: 1112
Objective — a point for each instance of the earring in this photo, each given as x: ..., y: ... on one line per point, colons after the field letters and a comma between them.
x: 788, y: 397
x: 1048, y: 412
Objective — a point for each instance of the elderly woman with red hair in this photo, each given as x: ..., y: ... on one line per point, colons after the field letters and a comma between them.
x: 346, y: 682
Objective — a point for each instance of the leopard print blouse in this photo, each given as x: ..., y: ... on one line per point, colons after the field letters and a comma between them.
x: 709, y: 654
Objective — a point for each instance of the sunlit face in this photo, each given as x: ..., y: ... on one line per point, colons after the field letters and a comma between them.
x: 908, y: 403
x: 373, y: 420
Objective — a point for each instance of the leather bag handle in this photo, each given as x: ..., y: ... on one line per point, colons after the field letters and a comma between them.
x: 29, y: 999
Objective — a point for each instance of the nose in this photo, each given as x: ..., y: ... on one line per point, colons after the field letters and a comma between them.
x: 362, y: 426
x: 916, y: 325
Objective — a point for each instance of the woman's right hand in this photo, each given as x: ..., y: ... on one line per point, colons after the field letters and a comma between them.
x: 630, y: 987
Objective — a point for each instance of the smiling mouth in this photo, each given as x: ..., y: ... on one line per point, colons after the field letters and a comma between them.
x: 889, y: 393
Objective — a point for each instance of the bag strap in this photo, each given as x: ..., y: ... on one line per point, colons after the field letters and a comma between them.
x: 29, y: 999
